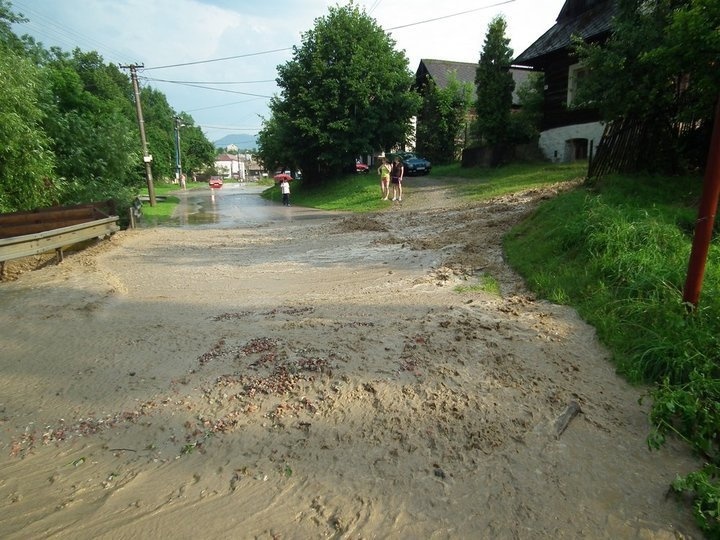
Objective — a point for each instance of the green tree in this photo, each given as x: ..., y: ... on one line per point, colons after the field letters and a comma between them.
x: 26, y: 162
x: 197, y: 152
x: 68, y: 128
x: 525, y: 123
x: 660, y: 68
x: 442, y: 123
x: 495, y: 86
x: 159, y: 119
x: 90, y: 124
x: 7, y: 18
x: 346, y: 92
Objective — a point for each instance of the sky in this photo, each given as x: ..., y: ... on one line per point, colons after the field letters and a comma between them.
x: 217, y: 59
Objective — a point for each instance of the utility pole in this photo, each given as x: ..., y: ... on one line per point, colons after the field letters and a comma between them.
x: 178, y: 168
x: 147, y: 158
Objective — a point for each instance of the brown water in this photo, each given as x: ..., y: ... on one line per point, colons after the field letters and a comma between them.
x: 235, y: 205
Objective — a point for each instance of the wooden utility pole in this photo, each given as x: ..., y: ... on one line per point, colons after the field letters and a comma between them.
x: 706, y: 218
x: 147, y: 158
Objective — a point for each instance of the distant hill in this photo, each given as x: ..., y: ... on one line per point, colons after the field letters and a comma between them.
x: 242, y: 141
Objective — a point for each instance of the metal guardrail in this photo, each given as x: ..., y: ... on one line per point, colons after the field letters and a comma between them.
x: 55, y: 239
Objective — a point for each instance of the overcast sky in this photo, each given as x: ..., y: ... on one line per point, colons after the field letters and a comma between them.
x: 256, y: 36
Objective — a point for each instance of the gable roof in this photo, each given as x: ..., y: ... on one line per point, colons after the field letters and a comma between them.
x: 442, y: 70
x: 585, y: 18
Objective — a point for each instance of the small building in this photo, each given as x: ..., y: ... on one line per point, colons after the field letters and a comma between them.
x: 568, y: 133
x: 228, y: 165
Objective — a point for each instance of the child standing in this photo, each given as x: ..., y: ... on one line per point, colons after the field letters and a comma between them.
x: 384, y: 172
x: 285, y: 190
x: 398, y: 171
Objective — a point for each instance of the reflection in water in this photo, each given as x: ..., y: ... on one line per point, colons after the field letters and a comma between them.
x: 233, y: 205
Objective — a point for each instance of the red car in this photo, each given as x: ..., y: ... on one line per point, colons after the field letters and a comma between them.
x: 361, y: 167
x: 215, y: 182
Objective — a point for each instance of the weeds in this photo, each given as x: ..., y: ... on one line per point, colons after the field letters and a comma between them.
x: 486, y: 283
x: 618, y: 252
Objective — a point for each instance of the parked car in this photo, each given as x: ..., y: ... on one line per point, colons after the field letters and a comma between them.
x: 357, y: 167
x: 215, y: 182
x: 413, y: 163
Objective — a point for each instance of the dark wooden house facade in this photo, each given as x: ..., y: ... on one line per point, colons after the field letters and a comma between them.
x: 568, y: 132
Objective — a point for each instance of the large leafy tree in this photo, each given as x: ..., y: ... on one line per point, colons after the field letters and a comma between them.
x: 196, y: 152
x: 660, y: 68
x: 442, y: 124
x: 495, y: 86
x: 26, y: 162
x: 346, y: 92
x: 91, y: 126
x: 68, y: 128
x: 160, y: 131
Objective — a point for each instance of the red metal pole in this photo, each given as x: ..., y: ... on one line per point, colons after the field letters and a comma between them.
x: 706, y: 217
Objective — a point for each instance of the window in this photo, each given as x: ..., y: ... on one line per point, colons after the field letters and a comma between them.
x: 576, y: 75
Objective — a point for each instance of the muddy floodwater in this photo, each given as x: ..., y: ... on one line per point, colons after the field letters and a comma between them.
x: 235, y: 205
x: 257, y: 371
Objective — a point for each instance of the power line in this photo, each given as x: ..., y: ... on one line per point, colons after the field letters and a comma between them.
x: 210, y: 82
x: 220, y: 59
x: 43, y: 25
x: 453, y: 15
x: 417, y: 23
x: 223, y: 105
x: 229, y: 128
x: 206, y: 87
x: 374, y: 6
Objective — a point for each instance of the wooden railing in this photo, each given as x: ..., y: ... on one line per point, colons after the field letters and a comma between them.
x: 23, y: 234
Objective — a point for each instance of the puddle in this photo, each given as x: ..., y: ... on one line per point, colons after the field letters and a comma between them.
x: 233, y: 206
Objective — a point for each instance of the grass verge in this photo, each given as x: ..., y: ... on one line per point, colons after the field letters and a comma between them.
x: 618, y: 252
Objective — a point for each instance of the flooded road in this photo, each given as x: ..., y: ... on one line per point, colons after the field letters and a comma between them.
x: 234, y: 206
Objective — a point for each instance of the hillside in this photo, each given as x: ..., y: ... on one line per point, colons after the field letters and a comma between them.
x: 241, y: 140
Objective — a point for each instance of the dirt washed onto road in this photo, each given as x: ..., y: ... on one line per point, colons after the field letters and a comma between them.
x: 318, y: 380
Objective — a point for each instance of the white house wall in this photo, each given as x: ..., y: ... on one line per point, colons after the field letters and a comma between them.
x: 554, y: 142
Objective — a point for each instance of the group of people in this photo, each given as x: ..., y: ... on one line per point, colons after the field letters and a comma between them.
x: 391, y: 175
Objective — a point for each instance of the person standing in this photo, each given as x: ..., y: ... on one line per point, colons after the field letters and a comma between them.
x: 384, y: 172
x: 285, y: 190
x: 398, y: 172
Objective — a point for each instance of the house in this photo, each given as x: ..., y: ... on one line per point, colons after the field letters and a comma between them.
x: 239, y: 166
x: 568, y: 133
x: 441, y: 72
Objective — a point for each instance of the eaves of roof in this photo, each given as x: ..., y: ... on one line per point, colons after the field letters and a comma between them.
x: 442, y: 70
x: 589, y: 25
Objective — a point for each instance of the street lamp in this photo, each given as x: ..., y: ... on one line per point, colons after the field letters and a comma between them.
x: 178, y: 168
